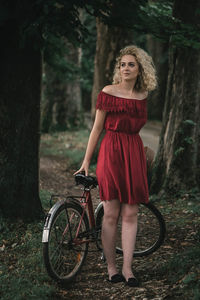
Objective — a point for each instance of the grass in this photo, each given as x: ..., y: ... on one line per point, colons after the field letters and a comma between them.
x: 70, y: 145
x: 65, y: 144
x: 22, y: 273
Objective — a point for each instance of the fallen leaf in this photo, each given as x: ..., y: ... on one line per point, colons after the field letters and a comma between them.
x: 2, y: 248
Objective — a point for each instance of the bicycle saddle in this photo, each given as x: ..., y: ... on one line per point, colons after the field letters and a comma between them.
x: 86, y: 181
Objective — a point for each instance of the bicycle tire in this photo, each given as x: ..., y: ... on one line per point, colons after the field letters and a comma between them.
x: 150, y: 234
x: 62, y: 258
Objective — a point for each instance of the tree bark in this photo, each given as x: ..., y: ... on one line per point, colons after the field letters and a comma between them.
x: 48, y: 99
x: 109, y: 41
x: 21, y: 69
x: 177, y: 161
x: 159, y: 52
x: 73, y: 92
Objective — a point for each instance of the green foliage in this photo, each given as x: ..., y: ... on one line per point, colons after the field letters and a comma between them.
x: 189, y: 122
x: 158, y: 12
x: 188, y: 140
x: 45, y: 196
x: 184, y: 136
x: 43, y: 19
x: 56, y: 56
x: 157, y: 19
x: 179, y: 151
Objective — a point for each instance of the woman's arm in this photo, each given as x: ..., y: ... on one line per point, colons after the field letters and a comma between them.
x: 93, y: 139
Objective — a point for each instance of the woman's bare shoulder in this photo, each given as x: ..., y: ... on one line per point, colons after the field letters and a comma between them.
x: 142, y: 95
x: 109, y: 89
x: 146, y: 94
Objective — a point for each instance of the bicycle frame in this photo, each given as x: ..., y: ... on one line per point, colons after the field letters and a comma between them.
x: 87, y: 205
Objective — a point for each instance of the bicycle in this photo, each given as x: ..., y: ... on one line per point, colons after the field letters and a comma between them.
x: 68, y: 231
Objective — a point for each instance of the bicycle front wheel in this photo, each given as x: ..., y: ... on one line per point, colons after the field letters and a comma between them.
x: 65, y: 251
x: 150, y: 232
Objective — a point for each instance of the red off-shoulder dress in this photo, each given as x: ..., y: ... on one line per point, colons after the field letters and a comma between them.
x: 121, y: 164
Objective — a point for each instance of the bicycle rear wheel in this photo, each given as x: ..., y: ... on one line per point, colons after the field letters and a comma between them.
x: 150, y: 233
x: 64, y: 252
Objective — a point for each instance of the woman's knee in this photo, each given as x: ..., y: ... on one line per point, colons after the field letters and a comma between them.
x: 111, y: 217
x: 111, y: 212
x: 129, y: 213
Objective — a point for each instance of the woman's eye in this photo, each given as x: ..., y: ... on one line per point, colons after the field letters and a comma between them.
x: 131, y: 65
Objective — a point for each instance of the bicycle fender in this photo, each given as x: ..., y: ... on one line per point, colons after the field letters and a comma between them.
x: 99, y: 207
x: 50, y: 216
x: 48, y: 219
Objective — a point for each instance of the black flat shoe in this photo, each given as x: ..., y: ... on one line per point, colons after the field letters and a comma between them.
x: 116, y: 278
x: 132, y: 282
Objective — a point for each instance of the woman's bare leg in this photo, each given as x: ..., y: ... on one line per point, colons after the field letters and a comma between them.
x: 109, y: 230
x: 129, y: 231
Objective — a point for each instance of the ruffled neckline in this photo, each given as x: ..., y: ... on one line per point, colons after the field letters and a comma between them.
x: 132, y: 99
x: 113, y: 103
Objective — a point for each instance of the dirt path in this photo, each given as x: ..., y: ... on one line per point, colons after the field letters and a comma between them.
x: 150, y: 134
x: 92, y: 283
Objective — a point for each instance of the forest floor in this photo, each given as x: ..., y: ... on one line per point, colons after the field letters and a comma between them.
x: 171, y: 273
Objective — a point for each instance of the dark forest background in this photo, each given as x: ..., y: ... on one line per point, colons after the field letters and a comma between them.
x: 55, y: 57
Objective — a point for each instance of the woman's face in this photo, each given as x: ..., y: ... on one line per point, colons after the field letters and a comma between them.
x: 129, y: 68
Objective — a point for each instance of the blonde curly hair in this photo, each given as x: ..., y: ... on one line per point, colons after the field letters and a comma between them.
x: 146, y: 80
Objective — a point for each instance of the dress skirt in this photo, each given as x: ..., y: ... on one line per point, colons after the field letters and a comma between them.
x: 121, y: 165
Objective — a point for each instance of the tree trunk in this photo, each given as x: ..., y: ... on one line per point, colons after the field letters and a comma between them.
x: 19, y: 125
x: 109, y: 41
x: 48, y: 99
x: 177, y: 162
x: 73, y: 91
x: 159, y: 52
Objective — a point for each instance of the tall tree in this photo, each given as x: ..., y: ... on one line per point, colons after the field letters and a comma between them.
x: 178, y: 158
x: 49, y: 98
x: 19, y: 124
x: 159, y: 52
x: 73, y: 91
x: 25, y: 27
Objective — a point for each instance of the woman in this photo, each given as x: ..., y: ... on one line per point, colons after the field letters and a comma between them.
x: 121, y: 166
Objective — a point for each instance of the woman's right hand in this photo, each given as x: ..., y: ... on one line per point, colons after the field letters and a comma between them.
x: 84, y: 168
